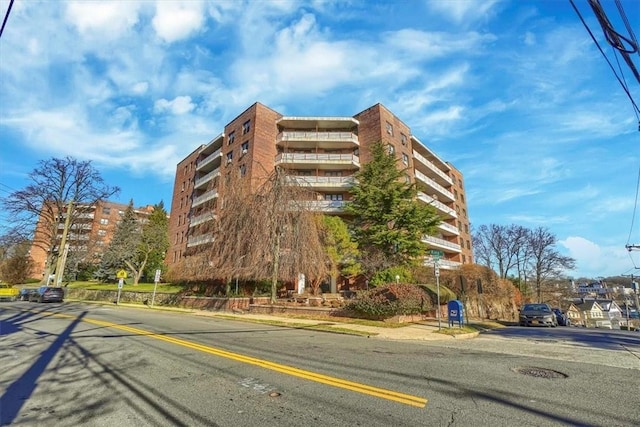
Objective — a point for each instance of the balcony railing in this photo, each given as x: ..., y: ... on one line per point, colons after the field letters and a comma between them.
x: 206, y: 178
x: 443, y: 263
x: 442, y: 244
x: 290, y: 136
x: 449, y: 228
x: 438, y: 205
x: 200, y: 219
x: 431, y: 183
x: 432, y: 167
x: 318, y: 158
x: 209, y: 159
x: 204, y: 198
x: 199, y: 240
x: 322, y: 181
x: 322, y: 205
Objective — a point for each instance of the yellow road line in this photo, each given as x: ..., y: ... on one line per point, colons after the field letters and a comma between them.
x: 382, y: 393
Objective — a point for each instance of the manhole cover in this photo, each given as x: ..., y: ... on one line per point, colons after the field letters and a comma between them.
x: 539, y: 372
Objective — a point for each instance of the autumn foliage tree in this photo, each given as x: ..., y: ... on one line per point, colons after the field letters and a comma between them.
x: 265, y: 233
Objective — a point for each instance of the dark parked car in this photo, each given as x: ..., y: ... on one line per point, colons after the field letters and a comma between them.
x: 24, y: 293
x: 537, y: 315
x: 561, y: 317
x: 47, y: 294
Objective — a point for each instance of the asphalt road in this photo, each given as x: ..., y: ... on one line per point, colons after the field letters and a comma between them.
x: 74, y: 364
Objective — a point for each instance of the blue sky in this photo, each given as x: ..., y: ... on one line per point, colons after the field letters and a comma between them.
x: 514, y: 93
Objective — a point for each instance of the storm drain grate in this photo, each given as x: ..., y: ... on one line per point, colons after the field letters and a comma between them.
x: 539, y: 372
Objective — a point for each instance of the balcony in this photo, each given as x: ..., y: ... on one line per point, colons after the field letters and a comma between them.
x: 209, y: 195
x: 318, y: 160
x: 204, y: 180
x: 328, y: 206
x: 77, y: 236
x: 210, y: 162
x: 199, y: 240
x: 441, y: 207
x: 442, y: 244
x: 439, y: 189
x: 448, y: 229
x: 322, y: 183
x: 201, y: 219
x: 324, y: 140
x: 432, y: 170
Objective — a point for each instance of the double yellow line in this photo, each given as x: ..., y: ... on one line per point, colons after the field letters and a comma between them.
x: 406, y: 399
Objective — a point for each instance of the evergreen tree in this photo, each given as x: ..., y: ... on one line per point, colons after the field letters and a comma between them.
x: 155, y: 240
x: 122, y: 251
x: 388, y: 221
x: 342, y: 251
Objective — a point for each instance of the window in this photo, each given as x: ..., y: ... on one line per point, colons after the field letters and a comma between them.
x: 245, y: 147
x: 403, y: 139
x: 405, y: 159
x: 246, y: 126
x: 176, y: 241
x: 231, y: 138
x: 333, y: 173
x: 455, y: 194
x: 230, y: 157
x: 462, y: 198
x: 333, y: 197
x: 106, y: 211
x: 303, y: 173
x: 243, y: 170
x: 104, y: 221
x: 389, y: 128
x: 464, y: 259
x: 466, y: 228
x: 464, y: 212
x: 102, y: 232
x: 407, y: 178
x: 120, y: 213
x: 391, y: 149
x: 468, y: 244
x: 179, y: 219
x: 182, y: 189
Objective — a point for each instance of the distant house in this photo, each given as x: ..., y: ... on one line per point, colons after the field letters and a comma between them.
x: 613, y: 311
x: 590, y: 314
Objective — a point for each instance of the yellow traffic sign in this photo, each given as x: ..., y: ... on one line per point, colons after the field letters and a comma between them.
x: 121, y: 274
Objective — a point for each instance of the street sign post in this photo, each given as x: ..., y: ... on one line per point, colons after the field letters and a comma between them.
x: 120, y: 285
x: 155, y: 286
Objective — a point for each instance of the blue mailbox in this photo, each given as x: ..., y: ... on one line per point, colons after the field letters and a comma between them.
x: 456, y: 312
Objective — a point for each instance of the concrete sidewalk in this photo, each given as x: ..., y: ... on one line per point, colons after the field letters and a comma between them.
x: 423, y: 331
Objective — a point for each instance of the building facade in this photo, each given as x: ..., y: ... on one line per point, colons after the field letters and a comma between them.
x: 91, y: 229
x: 322, y: 153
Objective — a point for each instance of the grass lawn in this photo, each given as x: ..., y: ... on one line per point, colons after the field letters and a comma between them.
x: 142, y: 287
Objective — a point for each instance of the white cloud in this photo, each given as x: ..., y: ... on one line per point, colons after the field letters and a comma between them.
x: 463, y: 11
x: 176, y: 20
x: 179, y: 105
x: 140, y: 88
x: 594, y: 260
x: 107, y: 19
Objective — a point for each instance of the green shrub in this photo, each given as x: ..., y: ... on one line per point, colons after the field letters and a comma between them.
x: 388, y: 275
x: 390, y: 300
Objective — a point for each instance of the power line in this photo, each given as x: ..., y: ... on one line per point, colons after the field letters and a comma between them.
x: 6, y: 17
x: 624, y: 87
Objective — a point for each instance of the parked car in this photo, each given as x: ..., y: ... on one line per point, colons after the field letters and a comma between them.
x: 24, y: 293
x: 537, y: 314
x: 561, y: 317
x: 47, y: 294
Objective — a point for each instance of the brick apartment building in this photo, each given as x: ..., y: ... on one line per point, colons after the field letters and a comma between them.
x: 92, y: 228
x: 323, y: 153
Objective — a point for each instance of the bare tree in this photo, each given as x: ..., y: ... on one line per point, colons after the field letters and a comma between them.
x: 38, y: 209
x: 267, y: 233
x: 496, y: 246
x: 546, y: 262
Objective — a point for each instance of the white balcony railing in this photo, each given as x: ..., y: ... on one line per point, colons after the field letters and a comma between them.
x: 431, y: 183
x: 199, y: 240
x: 322, y: 181
x: 322, y: 205
x: 289, y: 136
x: 204, y: 198
x: 432, y: 167
x: 206, y: 178
x: 209, y: 159
x: 449, y: 228
x: 438, y: 205
x: 442, y: 263
x: 318, y: 158
x: 201, y: 219
x: 442, y: 244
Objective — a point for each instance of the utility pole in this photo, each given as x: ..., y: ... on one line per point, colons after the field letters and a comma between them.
x: 62, y: 251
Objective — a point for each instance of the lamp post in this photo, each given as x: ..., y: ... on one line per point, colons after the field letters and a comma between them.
x: 436, y: 267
